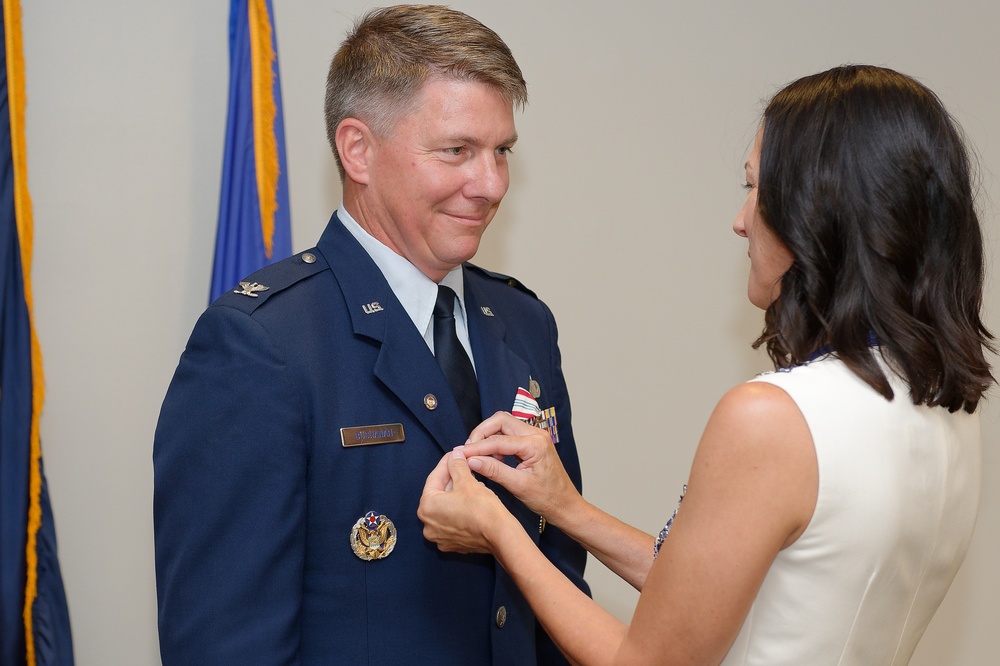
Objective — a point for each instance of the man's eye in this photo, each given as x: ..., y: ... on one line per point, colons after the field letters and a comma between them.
x: 457, y: 150
x: 505, y: 150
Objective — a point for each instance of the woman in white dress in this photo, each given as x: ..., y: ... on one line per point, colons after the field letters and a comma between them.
x: 830, y: 503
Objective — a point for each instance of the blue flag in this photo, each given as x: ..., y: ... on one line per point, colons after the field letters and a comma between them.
x: 254, y: 224
x: 34, y: 620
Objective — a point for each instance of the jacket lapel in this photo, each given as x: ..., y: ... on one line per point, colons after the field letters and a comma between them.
x: 500, y: 370
x: 404, y: 365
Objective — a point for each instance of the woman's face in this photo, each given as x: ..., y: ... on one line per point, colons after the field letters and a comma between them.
x: 769, y: 258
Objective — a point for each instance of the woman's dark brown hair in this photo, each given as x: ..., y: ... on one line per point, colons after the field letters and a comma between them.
x: 866, y: 179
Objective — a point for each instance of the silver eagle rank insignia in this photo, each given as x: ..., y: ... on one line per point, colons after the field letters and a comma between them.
x: 250, y: 289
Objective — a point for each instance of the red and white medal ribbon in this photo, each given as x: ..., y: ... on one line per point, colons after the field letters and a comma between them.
x: 527, y: 409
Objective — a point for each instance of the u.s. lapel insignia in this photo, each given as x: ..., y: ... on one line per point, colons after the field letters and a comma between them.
x: 250, y: 289
x: 372, y: 308
x: 373, y: 537
x: 486, y: 311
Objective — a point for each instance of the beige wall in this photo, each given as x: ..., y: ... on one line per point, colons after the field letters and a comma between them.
x: 624, y: 185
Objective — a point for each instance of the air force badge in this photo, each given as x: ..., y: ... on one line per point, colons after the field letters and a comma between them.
x: 373, y: 537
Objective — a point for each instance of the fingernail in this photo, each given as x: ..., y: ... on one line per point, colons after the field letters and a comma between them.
x: 475, y: 464
x: 457, y: 452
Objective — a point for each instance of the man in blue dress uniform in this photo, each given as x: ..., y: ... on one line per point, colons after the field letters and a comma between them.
x: 313, y: 399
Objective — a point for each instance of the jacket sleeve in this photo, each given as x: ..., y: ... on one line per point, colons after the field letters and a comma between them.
x: 229, y: 507
x: 568, y: 556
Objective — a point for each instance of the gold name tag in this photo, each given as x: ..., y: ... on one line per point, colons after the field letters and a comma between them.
x: 373, y: 434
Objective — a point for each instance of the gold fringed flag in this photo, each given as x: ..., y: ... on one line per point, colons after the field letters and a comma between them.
x: 254, y: 224
x: 34, y: 621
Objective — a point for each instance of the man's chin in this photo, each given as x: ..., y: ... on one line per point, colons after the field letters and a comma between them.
x: 465, y: 252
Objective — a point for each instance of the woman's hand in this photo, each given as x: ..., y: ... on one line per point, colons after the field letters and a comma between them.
x: 459, y: 513
x: 539, y: 480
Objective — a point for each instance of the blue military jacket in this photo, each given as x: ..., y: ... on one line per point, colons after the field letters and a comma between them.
x: 255, y: 494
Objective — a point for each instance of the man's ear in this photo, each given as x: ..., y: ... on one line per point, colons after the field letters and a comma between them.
x: 355, y: 144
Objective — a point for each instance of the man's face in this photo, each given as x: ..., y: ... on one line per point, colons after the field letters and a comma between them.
x: 436, y: 180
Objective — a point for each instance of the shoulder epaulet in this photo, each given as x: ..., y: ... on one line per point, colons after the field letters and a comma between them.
x: 513, y: 282
x: 257, y: 288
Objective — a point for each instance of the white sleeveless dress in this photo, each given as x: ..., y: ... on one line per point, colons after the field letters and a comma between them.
x: 899, y: 489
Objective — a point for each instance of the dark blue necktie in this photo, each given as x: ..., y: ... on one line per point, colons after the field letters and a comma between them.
x: 454, y: 361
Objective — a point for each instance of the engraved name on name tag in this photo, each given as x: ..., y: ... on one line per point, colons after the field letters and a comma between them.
x: 385, y: 433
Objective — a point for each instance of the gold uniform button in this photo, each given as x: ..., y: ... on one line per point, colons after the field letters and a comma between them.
x: 501, y: 617
x: 430, y: 401
x: 309, y: 258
